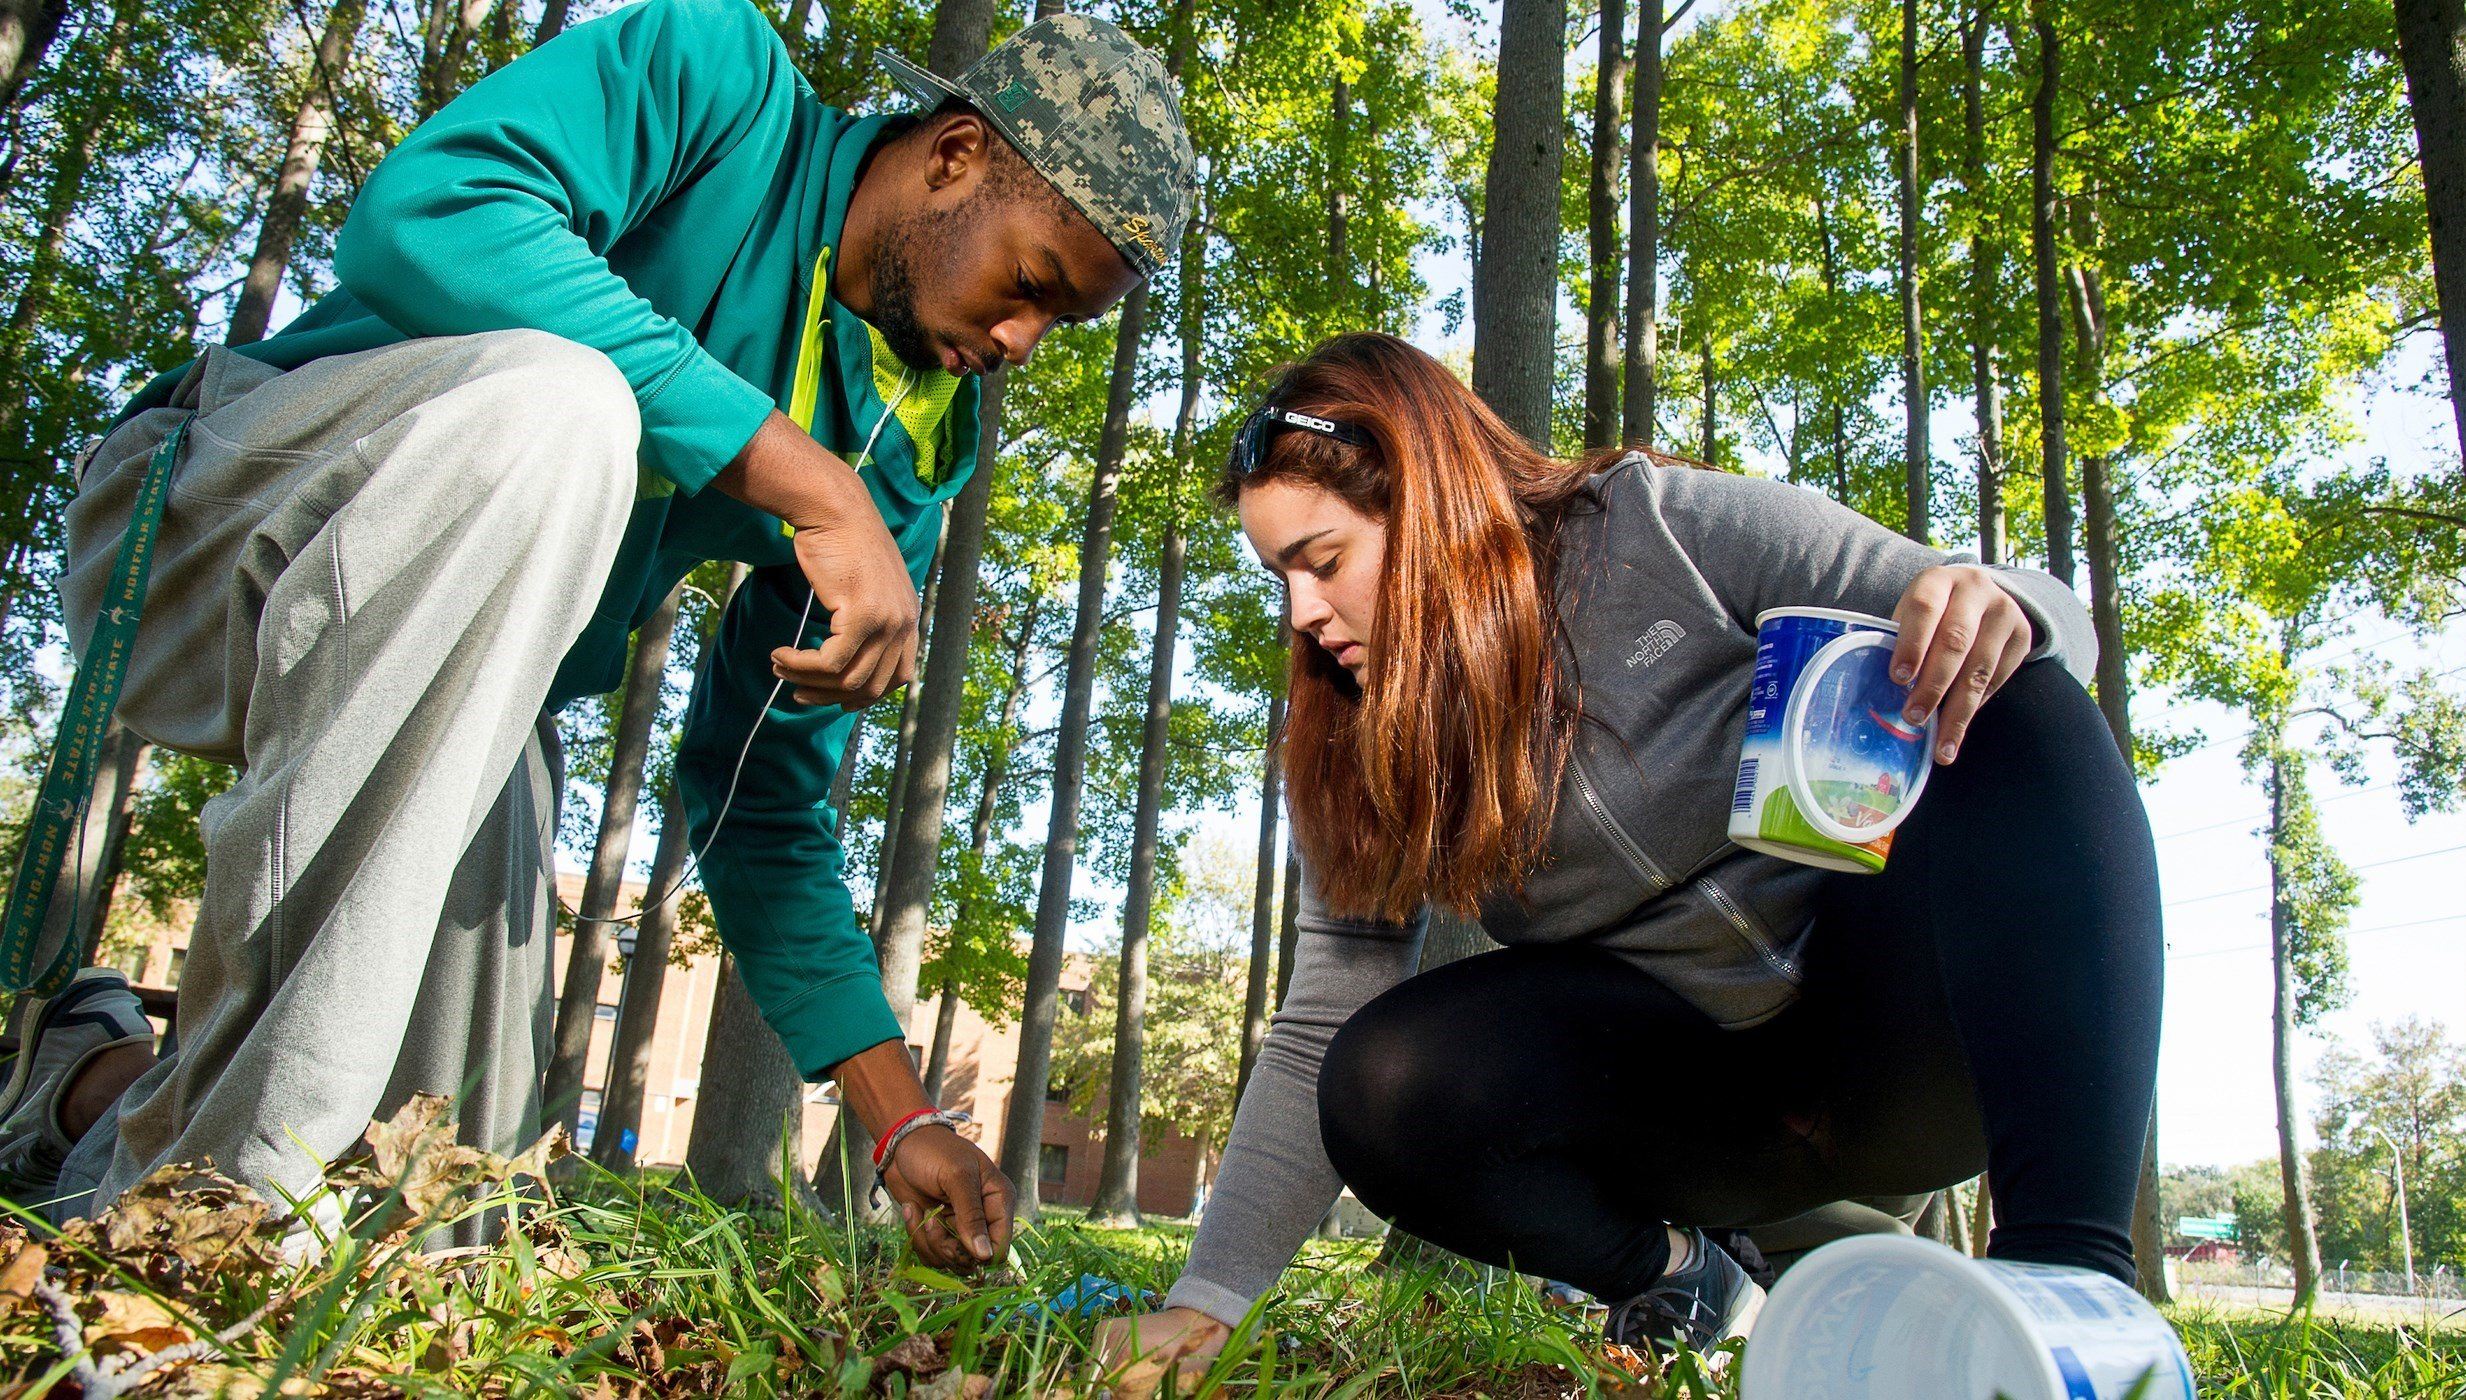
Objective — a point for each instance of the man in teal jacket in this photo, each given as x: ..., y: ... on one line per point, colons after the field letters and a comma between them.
x: 635, y: 302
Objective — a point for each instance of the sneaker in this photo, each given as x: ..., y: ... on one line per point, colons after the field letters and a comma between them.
x: 1698, y: 1307
x: 95, y: 1012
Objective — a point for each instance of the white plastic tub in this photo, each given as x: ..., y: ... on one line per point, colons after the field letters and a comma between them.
x: 1891, y: 1317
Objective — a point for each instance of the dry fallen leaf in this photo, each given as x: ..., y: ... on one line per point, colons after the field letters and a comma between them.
x: 117, y: 1321
x: 19, y: 1275
x: 417, y: 1153
x: 181, y: 1225
x: 915, y: 1355
x: 953, y: 1384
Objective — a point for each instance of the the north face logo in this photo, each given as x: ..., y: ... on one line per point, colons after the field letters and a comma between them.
x: 1656, y: 643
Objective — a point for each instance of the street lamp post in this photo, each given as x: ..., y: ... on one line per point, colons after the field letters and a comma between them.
x: 2406, y: 1239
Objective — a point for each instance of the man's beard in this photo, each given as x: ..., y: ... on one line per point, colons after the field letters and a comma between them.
x: 895, y: 277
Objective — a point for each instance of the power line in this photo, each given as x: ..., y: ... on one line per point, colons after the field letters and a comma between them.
x: 2350, y: 933
x: 2369, y: 865
x: 2257, y: 815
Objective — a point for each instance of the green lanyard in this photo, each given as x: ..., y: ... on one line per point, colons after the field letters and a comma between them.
x: 59, y: 809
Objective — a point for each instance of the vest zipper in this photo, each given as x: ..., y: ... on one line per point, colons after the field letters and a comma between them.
x: 1656, y: 881
x: 1738, y: 917
x: 1612, y: 832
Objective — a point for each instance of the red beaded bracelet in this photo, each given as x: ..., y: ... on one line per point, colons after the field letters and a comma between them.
x: 882, y: 1144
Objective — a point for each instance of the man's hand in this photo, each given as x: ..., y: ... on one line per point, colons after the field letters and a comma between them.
x: 956, y: 1202
x: 1962, y: 637
x: 1138, y: 1352
x: 847, y: 555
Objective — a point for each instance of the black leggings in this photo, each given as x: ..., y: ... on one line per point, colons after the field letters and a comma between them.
x: 1989, y: 1002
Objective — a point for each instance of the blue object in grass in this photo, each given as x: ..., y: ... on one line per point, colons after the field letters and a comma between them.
x: 1087, y: 1297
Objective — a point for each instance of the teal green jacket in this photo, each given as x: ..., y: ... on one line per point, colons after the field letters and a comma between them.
x: 663, y: 186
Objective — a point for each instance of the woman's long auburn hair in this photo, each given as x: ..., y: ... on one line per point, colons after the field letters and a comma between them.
x: 1435, y: 778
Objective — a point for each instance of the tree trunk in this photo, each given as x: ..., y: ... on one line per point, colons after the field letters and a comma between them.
x: 962, y: 31
x: 1117, y: 1188
x: 42, y: 253
x: 1339, y: 221
x: 749, y: 1111
x: 1983, y: 276
x: 500, y: 47
x: 980, y: 837
x: 945, y: 1021
x: 646, y: 962
x: 80, y: 901
x: 310, y: 128
x: 27, y: 28
x: 1601, y: 406
x: 1832, y: 289
x: 2114, y: 702
x: 1712, y: 415
x: 551, y: 22
x: 1935, y: 1221
x: 2431, y: 37
x: 903, y: 748
x: 2303, y: 1244
x: 646, y: 976
x: 1981, y: 1218
x: 910, y: 865
x: 2052, y: 468
x: 1023, y: 1131
x: 1288, y: 931
x: 1117, y: 1185
x: 997, y: 765
x: 1643, y: 341
x: 124, y: 768
x: 578, y: 1003
x: 2105, y: 547
x: 444, y: 41
x: 1916, y: 459
x: 1262, y: 905
x: 1515, y: 299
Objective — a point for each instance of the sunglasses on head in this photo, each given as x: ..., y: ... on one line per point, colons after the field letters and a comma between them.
x: 1268, y: 419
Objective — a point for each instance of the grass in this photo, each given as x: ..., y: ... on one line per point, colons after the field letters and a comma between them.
x: 625, y: 1287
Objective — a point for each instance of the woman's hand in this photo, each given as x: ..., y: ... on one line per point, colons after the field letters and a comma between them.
x: 1138, y: 1352
x: 1962, y: 637
x: 956, y: 1202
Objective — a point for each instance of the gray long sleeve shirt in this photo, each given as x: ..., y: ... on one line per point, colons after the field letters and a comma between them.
x: 1661, y: 573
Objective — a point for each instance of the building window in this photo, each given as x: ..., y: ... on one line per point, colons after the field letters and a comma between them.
x: 1052, y: 1164
x: 586, y: 1124
x: 604, y: 1012
x: 1076, y: 999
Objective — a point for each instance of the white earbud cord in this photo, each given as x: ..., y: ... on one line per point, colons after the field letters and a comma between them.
x: 693, y: 864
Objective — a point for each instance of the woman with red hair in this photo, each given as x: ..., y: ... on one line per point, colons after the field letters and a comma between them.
x: 1518, y: 688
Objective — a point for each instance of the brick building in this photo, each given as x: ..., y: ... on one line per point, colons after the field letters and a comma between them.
x: 982, y: 1061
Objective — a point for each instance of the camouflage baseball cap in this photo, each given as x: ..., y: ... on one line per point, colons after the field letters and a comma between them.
x: 1095, y: 114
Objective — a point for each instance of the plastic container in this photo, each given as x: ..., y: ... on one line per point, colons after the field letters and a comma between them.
x: 1828, y: 767
x: 1892, y: 1317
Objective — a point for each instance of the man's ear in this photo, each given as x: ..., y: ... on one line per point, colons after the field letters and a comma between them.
x: 957, y: 151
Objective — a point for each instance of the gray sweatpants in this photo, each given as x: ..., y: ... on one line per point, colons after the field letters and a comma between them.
x: 368, y: 571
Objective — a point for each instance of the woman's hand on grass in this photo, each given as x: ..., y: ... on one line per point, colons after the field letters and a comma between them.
x: 1138, y: 1352
x: 956, y: 1202
x: 1962, y: 637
